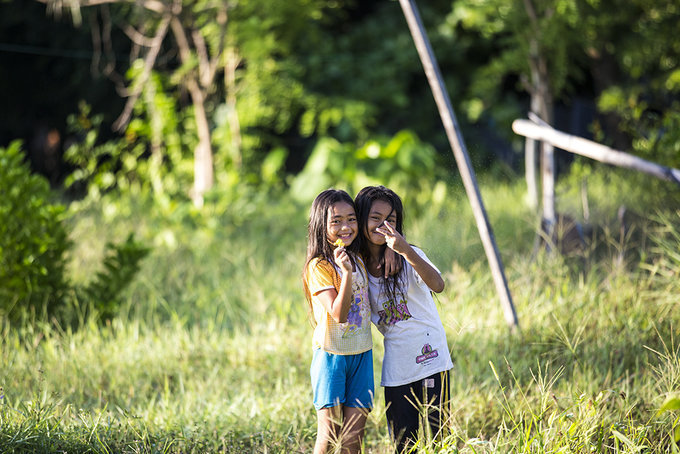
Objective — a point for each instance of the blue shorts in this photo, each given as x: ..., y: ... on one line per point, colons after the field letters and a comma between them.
x: 342, y: 379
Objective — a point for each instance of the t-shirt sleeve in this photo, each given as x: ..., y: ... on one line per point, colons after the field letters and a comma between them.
x: 419, y: 280
x: 320, y: 277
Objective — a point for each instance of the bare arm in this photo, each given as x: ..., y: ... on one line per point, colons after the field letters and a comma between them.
x: 337, y: 303
x: 427, y: 272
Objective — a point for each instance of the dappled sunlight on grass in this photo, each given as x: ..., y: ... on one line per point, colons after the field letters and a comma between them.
x: 212, y: 348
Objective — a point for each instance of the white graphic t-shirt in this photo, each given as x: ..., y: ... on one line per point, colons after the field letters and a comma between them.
x: 415, y: 340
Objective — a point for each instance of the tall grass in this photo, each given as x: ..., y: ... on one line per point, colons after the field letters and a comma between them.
x: 212, y: 349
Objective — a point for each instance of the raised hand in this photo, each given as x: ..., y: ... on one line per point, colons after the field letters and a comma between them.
x: 393, y: 239
x: 342, y: 259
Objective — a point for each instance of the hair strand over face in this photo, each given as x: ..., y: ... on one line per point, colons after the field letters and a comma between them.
x: 392, y: 285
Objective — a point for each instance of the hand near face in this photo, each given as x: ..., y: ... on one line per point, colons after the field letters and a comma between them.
x: 342, y: 259
x: 393, y: 239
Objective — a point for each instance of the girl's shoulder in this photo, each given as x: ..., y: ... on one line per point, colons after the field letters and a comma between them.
x: 321, y: 265
x: 422, y: 254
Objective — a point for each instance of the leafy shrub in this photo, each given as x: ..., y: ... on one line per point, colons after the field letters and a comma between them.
x: 124, y: 163
x: 403, y: 162
x: 33, y: 241
x: 121, y: 264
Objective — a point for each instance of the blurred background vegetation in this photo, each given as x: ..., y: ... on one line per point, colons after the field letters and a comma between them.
x: 158, y: 158
x: 110, y: 94
x: 171, y: 102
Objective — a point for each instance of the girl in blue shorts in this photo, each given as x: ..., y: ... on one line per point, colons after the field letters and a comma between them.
x: 336, y: 287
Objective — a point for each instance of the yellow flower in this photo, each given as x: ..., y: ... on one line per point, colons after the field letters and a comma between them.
x: 339, y: 243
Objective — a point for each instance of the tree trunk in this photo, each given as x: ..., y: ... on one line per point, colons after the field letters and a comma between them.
x: 542, y: 105
x: 232, y: 116
x: 530, y: 172
x: 203, y: 162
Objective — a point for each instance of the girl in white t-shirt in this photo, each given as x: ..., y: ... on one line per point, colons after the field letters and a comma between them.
x: 417, y: 359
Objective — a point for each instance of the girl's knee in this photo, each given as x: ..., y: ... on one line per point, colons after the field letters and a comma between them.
x: 329, y: 423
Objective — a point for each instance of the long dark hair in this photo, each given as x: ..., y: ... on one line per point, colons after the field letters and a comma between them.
x: 392, y: 285
x: 317, y: 233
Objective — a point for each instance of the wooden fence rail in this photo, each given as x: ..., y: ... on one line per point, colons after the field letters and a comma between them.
x: 593, y: 150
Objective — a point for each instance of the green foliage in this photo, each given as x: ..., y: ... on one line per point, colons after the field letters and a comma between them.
x: 672, y: 403
x: 121, y: 264
x: 644, y: 98
x: 508, y: 24
x: 124, y: 163
x: 651, y: 125
x: 33, y: 242
x: 34, y: 248
x: 272, y: 100
x: 286, y: 86
x: 403, y: 162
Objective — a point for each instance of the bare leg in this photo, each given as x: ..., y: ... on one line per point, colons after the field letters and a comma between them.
x: 329, y: 421
x: 353, y: 429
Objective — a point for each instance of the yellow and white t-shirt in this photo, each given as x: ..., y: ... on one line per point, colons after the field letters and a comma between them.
x: 353, y: 336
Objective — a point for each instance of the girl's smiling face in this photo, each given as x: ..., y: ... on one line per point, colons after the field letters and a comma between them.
x: 342, y: 223
x: 380, y: 212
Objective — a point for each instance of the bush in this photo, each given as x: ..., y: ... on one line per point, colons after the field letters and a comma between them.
x: 33, y: 241
x: 121, y: 264
x: 403, y: 162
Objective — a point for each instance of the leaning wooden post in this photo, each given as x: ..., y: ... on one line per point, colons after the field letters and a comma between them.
x: 460, y: 153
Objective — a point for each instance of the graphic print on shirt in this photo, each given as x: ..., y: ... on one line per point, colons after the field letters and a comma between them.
x: 427, y: 354
x: 358, y: 311
x: 393, y: 313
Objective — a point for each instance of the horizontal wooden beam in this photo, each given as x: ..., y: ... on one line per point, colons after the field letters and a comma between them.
x: 593, y: 150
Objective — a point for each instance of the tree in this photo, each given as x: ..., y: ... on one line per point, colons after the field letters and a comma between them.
x: 623, y: 46
x: 538, y: 41
x: 199, y: 32
x: 637, y: 65
x: 219, y: 52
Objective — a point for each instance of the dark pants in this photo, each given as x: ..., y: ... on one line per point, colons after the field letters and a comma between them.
x: 409, y: 405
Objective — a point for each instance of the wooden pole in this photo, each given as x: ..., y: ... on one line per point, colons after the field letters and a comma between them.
x: 530, y: 172
x: 593, y: 150
x: 460, y: 153
x: 548, y: 188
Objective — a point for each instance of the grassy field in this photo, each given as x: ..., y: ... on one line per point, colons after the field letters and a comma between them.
x: 212, y: 349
